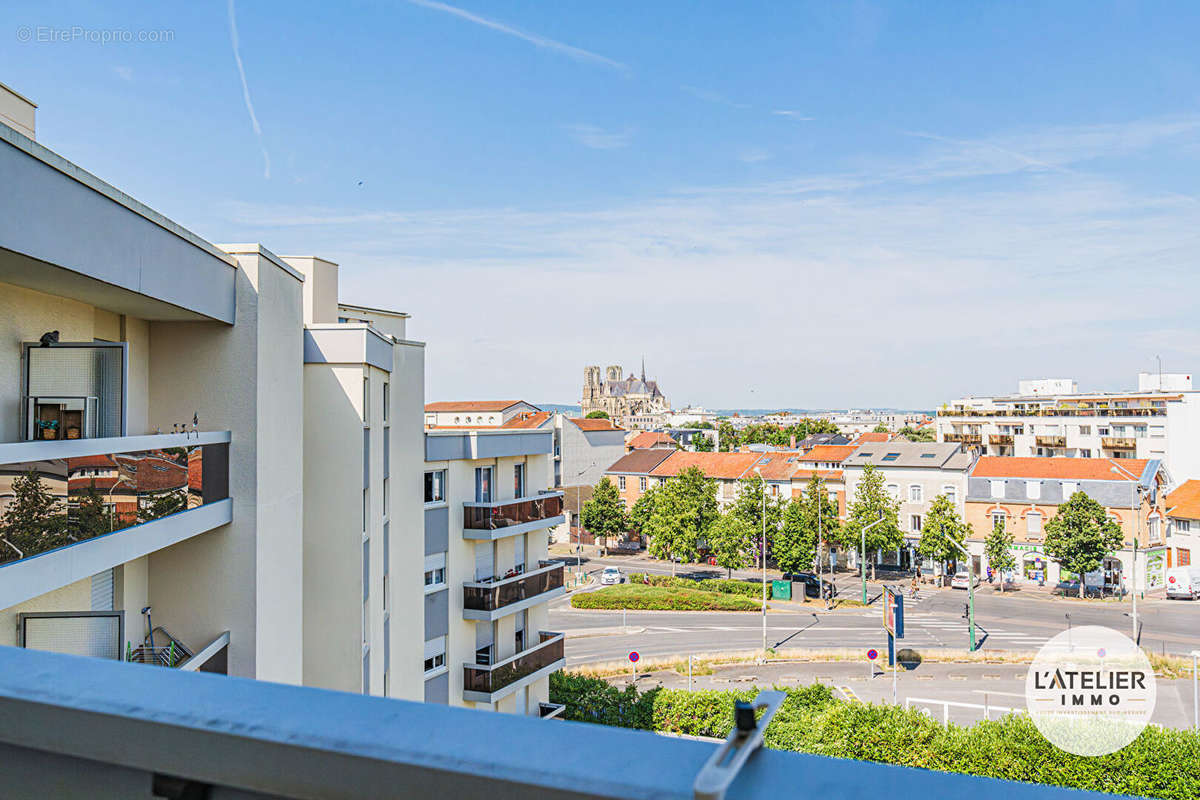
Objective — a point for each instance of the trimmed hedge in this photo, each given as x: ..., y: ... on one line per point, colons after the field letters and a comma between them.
x: 721, y: 585
x: 661, y: 598
x: 1161, y: 763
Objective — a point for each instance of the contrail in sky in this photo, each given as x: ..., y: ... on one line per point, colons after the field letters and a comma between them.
x: 237, y: 56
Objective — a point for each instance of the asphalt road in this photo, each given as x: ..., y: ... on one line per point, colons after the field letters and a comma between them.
x: 1014, y: 621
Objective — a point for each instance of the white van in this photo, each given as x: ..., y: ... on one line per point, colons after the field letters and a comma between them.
x: 1183, y: 582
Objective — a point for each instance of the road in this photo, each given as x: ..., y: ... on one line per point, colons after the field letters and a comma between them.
x: 1019, y: 621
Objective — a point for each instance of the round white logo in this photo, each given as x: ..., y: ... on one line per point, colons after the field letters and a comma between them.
x: 1090, y: 690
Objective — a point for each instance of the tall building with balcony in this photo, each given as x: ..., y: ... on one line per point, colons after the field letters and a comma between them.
x: 489, y: 509
x: 1160, y: 421
x: 206, y: 462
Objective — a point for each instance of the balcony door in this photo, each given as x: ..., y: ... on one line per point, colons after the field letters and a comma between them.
x: 73, y: 390
x: 483, y: 484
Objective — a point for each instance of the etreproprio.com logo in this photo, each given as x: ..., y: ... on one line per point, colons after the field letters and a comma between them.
x: 1090, y: 690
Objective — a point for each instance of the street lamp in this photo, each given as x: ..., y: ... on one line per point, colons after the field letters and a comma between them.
x: 758, y: 472
x: 971, y: 592
x: 579, y: 521
x: 1135, y: 490
x: 862, y: 553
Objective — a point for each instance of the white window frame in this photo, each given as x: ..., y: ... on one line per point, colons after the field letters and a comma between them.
x: 445, y: 474
x: 997, y: 489
x: 435, y: 562
x: 916, y: 493
x: 951, y: 493
x: 1029, y: 522
x: 642, y: 484
x: 435, y: 648
x: 621, y: 482
x: 1033, y: 490
x: 1069, y: 488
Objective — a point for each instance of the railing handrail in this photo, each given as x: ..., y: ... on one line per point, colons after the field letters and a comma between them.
x: 512, y: 501
x: 51, y: 449
x: 546, y: 642
x: 546, y: 566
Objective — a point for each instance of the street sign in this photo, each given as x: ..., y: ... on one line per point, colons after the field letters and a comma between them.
x: 872, y: 654
x: 893, y: 612
x: 633, y: 657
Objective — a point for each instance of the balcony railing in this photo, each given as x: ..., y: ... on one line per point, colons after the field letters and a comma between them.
x: 965, y: 438
x: 1000, y: 438
x: 54, y: 494
x: 510, y: 513
x: 1051, y: 441
x: 481, y: 683
x: 1052, y: 412
x: 483, y: 599
x: 551, y: 710
x: 1118, y: 442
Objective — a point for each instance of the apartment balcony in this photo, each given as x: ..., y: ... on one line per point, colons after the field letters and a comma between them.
x: 1051, y: 441
x: 1055, y: 411
x: 490, y: 521
x: 1118, y: 443
x: 964, y: 438
x: 489, y: 600
x: 111, y: 500
x: 1000, y: 439
x: 491, y: 682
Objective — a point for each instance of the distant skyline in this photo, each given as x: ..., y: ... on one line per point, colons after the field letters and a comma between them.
x: 777, y: 205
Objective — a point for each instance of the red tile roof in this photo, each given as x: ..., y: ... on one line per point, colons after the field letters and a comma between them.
x: 528, y: 419
x: 594, y: 424
x: 1087, y: 469
x: 724, y: 466
x: 872, y: 436
x: 1184, y: 502
x: 779, y: 466
x: 650, y: 439
x: 471, y: 405
x: 827, y: 475
x: 829, y: 452
x: 639, y: 462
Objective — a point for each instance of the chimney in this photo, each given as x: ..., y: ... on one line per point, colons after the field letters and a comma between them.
x: 18, y: 112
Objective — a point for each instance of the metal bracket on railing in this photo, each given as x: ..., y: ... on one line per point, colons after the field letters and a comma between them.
x: 746, y: 737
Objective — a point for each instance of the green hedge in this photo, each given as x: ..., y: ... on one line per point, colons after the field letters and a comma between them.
x: 661, y: 598
x: 1161, y: 762
x: 721, y: 585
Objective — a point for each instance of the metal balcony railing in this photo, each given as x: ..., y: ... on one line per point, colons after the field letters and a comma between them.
x: 965, y: 438
x: 508, y: 513
x: 485, y: 680
x: 1051, y: 441
x: 1053, y: 412
x: 1000, y: 438
x: 63, y: 492
x: 1118, y: 442
x: 495, y: 595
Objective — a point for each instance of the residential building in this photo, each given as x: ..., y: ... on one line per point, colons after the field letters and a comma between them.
x: 1183, y: 525
x: 1159, y: 421
x: 1024, y: 493
x: 650, y: 439
x: 914, y: 473
x: 812, y: 440
x: 475, y: 413
x: 630, y: 401
x: 687, y: 437
x: 488, y: 511
x: 826, y: 456
x: 583, y: 450
x: 727, y: 469
x: 689, y: 415
x: 631, y: 473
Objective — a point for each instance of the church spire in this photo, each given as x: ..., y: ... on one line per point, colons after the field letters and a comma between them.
x: 643, y: 369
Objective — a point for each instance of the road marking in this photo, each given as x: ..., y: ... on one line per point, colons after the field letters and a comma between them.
x: 848, y: 693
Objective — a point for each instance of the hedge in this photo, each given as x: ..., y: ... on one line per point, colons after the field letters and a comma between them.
x: 722, y: 585
x: 1161, y: 762
x: 661, y: 598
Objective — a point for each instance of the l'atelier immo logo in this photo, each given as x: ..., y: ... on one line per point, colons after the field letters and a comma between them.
x: 1090, y: 691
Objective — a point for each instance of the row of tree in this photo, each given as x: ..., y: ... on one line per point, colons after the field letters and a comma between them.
x: 682, y: 516
x: 767, y: 433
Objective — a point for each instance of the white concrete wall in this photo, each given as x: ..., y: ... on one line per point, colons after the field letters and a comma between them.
x: 18, y: 112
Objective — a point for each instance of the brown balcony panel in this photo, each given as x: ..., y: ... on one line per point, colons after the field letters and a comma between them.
x: 1000, y: 438
x: 494, y: 517
x: 491, y: 679
x: 1051, y: 441
x: 1118, y: 442
x: 496, y: 595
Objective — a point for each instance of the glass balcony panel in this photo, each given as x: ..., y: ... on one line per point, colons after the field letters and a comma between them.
x: 493, y: 516
x: 494, y: 595
x: 489, y: 679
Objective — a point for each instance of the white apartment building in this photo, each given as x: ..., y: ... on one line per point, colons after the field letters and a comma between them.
x: 223, y: 459
x: 914, y: 473
x: 487, y: 579
x: 1159, y: 421
x: 475, y: 413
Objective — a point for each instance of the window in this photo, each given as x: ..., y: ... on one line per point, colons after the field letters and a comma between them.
x: 621, y: 482
x: 1033, y: 489
x: 435, y: 656
x: 518, y: 480
x: 434, y: 662
x: 775, y: 490
x: 386, y: 399
x: 1033, y: 522
x: 483, y: 484
x: 435, y: 577
x: 891, y: 457
x: 951, y: 493
x: 999, y: 517
x: 435, y: 486
x: 997, y: 488
x: 662, y: 481
x: 1085, y: 430
x: 894, y: 490
x: 1069, y: 488
x: 914, y: 523
x: 435, y: 572
x: 386, y: 503
x: 1085, y: 452
x: 865, y: 455
x: 928, y: 455
x: 1102, y: 430
x: 1158, y: 431
x: 1183, y: 526
x: 915, y: 493
x: 1155, y: 528
x: 642, y: 484
x: 1183, y: 558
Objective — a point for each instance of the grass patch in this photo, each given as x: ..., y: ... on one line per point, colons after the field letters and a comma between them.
x: 662, y: 598
x: 719, y: 585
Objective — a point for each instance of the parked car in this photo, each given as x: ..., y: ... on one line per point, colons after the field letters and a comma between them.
x: 812, y: 583
x: 1183, y: 582
x: 962, y: 580
x: 610, y: 576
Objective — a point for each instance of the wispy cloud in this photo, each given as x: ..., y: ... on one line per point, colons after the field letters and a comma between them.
x: 577, y: 53
x: 124, y: 73
x: 753, y: 155
x: 793, y: 115
x: 599, y: 139
x: 237, y: 56
x: 709, y: 96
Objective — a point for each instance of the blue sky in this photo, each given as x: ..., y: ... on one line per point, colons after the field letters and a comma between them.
x: 792, y: 204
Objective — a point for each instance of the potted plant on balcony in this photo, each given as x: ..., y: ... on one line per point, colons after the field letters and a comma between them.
x: 48, y: 428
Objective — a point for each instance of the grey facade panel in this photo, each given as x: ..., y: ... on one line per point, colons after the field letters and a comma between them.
x: 109, y: 241
x: 437, y: 690
x: 447, y: 448
x: 437, y: 530
x: 1111, y: 494
x: 465, y: 446
x: 437, y: 614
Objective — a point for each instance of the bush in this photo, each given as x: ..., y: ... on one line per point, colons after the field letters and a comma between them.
x: 1161, y: 763
x: 661, y: 598
x: 721, y: 585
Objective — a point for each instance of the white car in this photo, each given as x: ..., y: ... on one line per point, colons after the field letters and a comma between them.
x: 961, y: 580
x: 610, y: 576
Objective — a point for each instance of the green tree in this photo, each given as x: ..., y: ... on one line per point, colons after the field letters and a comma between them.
x: 997, y: 547
x: 34, y: 520
x: 731, y: 541
x: 684, y: 509
x: 925, y: 434
x: 881, y: 428
x: 702, y: 443
x: 597, y: 414
x: 806, y: 521
x: 941, y: 529
x: 642, y: 510
x: 603, y: 515
x: 1080, y: 535
x: 871, y: 501
x: 728, y: 436
x: 89, y: 518
x: 749, y: 506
